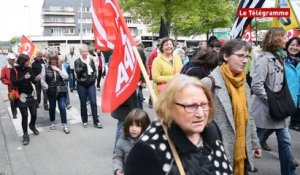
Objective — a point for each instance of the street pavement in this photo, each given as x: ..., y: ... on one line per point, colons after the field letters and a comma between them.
x: 85, y: 151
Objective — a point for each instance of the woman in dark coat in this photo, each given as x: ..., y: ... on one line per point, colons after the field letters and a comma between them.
x: 53, y: 81
x: 184, y: 109
x: 24, y: 80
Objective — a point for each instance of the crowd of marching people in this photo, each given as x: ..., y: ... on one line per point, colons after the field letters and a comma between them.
x: 51, y: 75
x: 214, y: 110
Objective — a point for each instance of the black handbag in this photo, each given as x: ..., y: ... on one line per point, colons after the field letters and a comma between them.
x: 281, y: 104
x: 61, y: 89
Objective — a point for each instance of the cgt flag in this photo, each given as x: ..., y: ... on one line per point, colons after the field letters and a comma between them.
x: 247, y: 36
x: 292, y: 33
x: 240, y: 24
x: 111, y: 32
x: 286, y: 23
x: 27, y: 47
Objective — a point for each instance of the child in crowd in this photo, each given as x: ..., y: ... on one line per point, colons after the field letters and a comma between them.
x: 135, y: 124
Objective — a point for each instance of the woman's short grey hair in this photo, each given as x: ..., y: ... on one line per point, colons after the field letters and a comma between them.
x: 83, y: 47
x: 180, y: 52
x: 229, y: 47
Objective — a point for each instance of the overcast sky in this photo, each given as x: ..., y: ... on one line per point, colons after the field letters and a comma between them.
x: 15, y: 21
x: 14, y: 18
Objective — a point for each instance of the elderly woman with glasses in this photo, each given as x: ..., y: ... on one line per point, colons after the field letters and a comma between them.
x: 232, y: 99
x: 184, y: 110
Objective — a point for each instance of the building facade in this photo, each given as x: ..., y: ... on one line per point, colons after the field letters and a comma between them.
x: 68, y: 22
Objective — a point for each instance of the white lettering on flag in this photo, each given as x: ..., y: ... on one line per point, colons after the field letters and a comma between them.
x: 128, y: 62
x: 27, y: 49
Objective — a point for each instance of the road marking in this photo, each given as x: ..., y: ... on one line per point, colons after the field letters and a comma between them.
x: 73, y: 117
x: 73, y: 114
x: 18, y: 123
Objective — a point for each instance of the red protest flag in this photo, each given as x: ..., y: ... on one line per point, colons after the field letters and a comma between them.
x: 111, y: 32
x: 104, y: 26
x: 27, y: 47
x: 292, y: 33
x: 247, y: 34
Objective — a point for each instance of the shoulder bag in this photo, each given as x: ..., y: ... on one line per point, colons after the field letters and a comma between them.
x: 14, y: 95
x: 60, y: 89
x: 281, y: 104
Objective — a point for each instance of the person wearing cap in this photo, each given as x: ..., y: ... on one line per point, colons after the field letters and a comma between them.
x: 5, y: 79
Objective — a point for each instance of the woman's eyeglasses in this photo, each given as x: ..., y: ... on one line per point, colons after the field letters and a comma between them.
x: 242, y: 56
x: 194, y: 107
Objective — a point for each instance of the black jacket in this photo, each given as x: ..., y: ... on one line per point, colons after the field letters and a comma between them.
x: 23, y: 85
x: 37, y: 67
x: 82, y: 73
x: 50, y: 80
x: 123, y: 110
x: 152, y: 154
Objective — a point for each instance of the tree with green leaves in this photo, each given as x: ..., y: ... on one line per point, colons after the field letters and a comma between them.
x: 14, y: 40
x: 183, y: 18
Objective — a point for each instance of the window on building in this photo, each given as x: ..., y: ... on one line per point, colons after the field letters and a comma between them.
x: 128, y: 21
x: 56, y: 32
x: 69, y: 31
x: 85, y: 20
x: 69, y: 20
x: 84, y: 9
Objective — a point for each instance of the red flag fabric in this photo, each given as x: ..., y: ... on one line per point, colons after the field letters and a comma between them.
x: 247, y: 36
x: 292, y: 33
x: 111, y: 32
x: 27, y: 47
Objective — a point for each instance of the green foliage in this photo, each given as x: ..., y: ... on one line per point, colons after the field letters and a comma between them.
x: 184, y: 18
x: 261, y: 25
x: 14, y: 40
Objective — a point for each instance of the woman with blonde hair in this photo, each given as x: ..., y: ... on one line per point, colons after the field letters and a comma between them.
x: 269, y: 71
x: 185, y: 108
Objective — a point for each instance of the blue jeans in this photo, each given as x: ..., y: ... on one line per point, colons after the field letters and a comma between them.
x: 284, y: 148
x: 67, y: 98
x: 83, y: 93
x: 263, y: 134
x: 61, y: 99
x: 72, y: 80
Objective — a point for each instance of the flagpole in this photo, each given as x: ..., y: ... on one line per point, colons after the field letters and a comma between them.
x: 144, y: 73
x: 81, y: 22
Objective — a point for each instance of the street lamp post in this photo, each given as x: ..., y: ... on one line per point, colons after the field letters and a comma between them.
x: 29, y: 20
x: 256, y: 43
x: 81, y: 8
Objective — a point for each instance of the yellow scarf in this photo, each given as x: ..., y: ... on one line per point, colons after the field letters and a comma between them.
x: 237, y: 91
